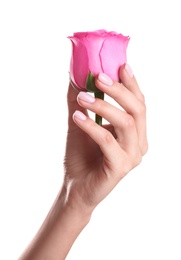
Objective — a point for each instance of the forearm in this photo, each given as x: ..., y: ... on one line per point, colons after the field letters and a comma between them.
x: 58, y: 232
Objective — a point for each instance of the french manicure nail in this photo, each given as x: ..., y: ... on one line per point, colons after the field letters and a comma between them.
x: 86, y: 97
x: 79, y: 115
x: 105, y: 79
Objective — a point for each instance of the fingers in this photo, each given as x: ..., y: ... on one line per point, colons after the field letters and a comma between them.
x: 130, y: 98
x: 129, y: 81
x: 115, y: 156
x: 127, y: 95
x: 122, y: 93
x: 123, y: 123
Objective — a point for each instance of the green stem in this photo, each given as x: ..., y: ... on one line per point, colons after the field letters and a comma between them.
x: 98, y: 119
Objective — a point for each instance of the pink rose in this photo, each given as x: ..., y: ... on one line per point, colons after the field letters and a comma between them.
x: 94, y: 52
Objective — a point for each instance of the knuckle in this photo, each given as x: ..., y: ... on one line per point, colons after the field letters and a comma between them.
x: 91, y: 125
x: 100, y: 106
x: 128, y: 121
x: 107, y: 137
x: 141, y: 109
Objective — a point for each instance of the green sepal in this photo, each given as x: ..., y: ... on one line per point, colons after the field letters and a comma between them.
x: 90, y: 84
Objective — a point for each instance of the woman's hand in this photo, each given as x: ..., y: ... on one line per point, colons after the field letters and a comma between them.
x: 98, y: 157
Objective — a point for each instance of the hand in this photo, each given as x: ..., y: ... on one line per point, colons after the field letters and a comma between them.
x: 97, y: 158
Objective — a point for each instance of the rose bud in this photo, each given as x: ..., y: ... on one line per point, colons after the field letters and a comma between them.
x: 94, y: 52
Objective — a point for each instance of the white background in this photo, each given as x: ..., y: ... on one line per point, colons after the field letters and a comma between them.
x: 141, y: 218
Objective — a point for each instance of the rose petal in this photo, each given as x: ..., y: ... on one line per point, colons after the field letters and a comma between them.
x: 93, y: 43
x: 113, y: 55
x: 79, y: 67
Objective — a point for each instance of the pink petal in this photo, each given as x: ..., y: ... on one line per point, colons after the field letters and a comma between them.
x: 93, y: 43
x: 79, y: 68
x: 113, y: 54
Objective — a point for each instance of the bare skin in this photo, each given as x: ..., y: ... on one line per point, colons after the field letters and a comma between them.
x: 96, y: 159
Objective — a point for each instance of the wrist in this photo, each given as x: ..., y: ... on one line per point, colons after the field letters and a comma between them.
x: 73, y: 208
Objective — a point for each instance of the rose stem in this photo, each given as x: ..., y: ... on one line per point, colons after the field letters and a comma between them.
x: 98, y: 119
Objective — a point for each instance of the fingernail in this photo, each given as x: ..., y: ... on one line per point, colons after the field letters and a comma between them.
x: 79, y: 115
x: 129, y: 70
x: 105, y: 79
x: 86, y: 97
